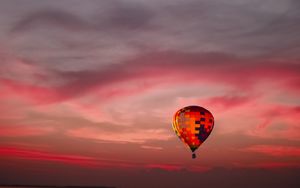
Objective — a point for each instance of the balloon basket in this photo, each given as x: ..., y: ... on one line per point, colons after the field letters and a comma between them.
x: 193, y: 155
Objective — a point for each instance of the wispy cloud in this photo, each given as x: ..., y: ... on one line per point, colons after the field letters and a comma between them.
x: 46, y: 156
x: 169, y: 68
x: 277, y: 151
x: 151, y: 147
x: 130, y: 136
x: 24, y: 130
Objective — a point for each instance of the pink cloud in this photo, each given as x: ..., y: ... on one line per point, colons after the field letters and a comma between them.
x: 19, y: 131
x: 29, y: 92
x: 151, y: 147
x: 228, y: 102
x: 27, y: 80
x: 86, y: 161
x: 95, y: 95
x: 274, y: 150
x: 130, y: 136
x: 147, y: 74
x: 278, y: 111
x: 170, y: 68
x: 71, y: 159
x: 46, y: 156
x: 272, y: 114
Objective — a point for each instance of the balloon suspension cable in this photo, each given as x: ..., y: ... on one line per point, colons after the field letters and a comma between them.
x: 194, y: 155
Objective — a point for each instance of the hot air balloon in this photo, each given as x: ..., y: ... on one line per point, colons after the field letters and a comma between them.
x: 193, y: 124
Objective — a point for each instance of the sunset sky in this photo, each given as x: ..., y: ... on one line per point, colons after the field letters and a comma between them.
x: 88, y: 90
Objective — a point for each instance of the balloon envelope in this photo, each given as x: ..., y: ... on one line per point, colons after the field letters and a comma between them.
x: 193, y: 124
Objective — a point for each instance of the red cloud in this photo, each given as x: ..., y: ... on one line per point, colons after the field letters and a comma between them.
x: 46, y: 156
x: 164, y: 167
x: 269, y: 165
x: 84, y: 161
x: 17, y: 131
x: 30, y: 92
x: 278, y: 151
x: 227, y: 102
x: 287, y: 115
x: 178, y: 167
x: 169, y: 68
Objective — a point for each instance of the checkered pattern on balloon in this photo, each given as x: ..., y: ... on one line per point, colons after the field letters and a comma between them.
x: 193, y: 124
